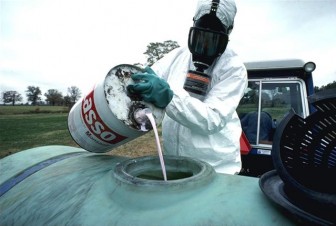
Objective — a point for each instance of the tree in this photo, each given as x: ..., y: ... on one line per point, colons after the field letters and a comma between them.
x: 74, y: 94
x: 33, y: 94
x: 54, y: 97
x: 67, y: 101
x: 11, y: 97
x: 325, y: 87
x: 156, y: 50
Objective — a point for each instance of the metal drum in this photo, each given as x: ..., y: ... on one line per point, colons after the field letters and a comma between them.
x: 105, y: 118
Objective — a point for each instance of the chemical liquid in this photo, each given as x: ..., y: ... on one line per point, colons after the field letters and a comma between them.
x: 158, y: 146
x: 157, y: 175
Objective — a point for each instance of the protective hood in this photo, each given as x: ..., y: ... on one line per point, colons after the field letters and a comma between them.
x: 226, y: 11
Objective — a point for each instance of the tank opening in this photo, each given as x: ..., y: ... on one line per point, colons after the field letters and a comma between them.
x: 147, y: 171
x: 157, y: 175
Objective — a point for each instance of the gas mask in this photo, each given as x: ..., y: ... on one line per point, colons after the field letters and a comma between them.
x: 207, y: 40
x: 205, y: 46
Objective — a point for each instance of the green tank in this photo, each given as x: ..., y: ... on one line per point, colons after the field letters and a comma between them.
x: 60, y: 185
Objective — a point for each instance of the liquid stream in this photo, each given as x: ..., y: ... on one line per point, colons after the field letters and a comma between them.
x: 158, y: 146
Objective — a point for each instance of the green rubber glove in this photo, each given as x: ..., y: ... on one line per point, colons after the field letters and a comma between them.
x: 151, y: 88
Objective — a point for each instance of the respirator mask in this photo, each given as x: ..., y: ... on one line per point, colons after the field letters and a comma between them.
x: 207, y: 40
x: 205, y: 46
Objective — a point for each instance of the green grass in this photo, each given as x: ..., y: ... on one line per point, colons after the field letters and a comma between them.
x: 20, y: 132
x: 276, y: 112
x: 24, y: 109
x: 24, y: 127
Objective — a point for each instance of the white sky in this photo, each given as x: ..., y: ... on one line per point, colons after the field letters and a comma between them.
x: 55, y: 44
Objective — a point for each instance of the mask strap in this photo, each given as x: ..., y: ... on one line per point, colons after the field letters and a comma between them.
x: 214, y: 6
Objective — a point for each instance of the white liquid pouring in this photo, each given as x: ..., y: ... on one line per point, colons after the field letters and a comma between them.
x: 158, y: 146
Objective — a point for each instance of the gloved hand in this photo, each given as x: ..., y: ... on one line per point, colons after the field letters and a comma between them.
x: 151, y: 88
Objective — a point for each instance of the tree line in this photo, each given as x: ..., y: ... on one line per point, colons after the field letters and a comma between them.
x: 331, y: 85
x: 34, y: 93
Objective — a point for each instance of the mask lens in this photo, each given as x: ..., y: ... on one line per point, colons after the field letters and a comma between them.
x: 206, y: 43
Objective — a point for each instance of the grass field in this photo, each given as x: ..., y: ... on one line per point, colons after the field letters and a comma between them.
x: 24, y: 127
x: 24, y: 109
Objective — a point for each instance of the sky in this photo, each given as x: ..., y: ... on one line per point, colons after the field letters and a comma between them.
x: 55, y: 44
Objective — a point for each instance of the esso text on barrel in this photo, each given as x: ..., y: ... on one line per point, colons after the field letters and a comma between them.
x: 95, y: 124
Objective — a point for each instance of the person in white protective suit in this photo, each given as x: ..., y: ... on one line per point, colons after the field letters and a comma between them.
x: 206, y: 82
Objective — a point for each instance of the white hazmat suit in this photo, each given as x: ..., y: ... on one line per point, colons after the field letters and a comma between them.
x: 208, y: 130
